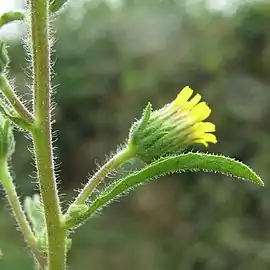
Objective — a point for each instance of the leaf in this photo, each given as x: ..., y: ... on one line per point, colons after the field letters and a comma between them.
x: 11, y: 16
x: 12, y: 115
x: 56, y: 5
x: 174, y: 164
x: 35, y: 212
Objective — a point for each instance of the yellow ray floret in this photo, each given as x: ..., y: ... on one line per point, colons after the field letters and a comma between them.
x: 182, y: 97
x: 194, y: 113
x: 200, y: 112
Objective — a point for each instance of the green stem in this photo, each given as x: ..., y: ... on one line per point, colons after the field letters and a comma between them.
x: 99, y: 176
x: 14, y: 100
x: 17, y: 209
x: 42, y: 137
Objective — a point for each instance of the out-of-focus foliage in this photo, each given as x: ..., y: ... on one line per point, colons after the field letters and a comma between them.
x: 110, y: 62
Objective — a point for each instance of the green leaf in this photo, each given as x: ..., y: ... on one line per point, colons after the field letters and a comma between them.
x: 174, y: 164
x: 35, y: 213
x: 12, y: 115
x: 11, y: 16
x: 56, y: 5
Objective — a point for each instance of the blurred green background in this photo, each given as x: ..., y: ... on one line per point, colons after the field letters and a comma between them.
x: 112, y: 58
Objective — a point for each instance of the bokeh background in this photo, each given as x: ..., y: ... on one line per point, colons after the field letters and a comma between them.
x: 112, y: 58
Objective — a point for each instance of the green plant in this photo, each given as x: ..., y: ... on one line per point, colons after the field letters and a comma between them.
x: 159, y: 139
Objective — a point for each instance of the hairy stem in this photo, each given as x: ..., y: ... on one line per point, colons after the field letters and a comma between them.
x: 42, y: 137
x: 14, y: 100
x: 7, y: 182
x: 113, y: 163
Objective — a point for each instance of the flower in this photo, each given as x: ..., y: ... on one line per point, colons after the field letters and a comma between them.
x: 172, y: 128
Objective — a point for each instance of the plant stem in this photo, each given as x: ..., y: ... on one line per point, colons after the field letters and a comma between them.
x: 42, y: 137
x: 7, y: 182
x: 113, y: 163
x: 14, y: 100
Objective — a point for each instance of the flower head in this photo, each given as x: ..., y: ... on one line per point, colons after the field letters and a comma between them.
x: 172, y: 128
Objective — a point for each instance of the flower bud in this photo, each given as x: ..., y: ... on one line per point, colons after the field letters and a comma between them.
x: 77, y: 210
x: 173, y: 128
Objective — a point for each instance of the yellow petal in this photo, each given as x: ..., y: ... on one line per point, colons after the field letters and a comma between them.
x: 206, y: 138
x: 203, y: 127
x: 202, y: 142
x: 194, y: 101
x: 200, y: 112
x: 183, y: 96
x: 209, y: 137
